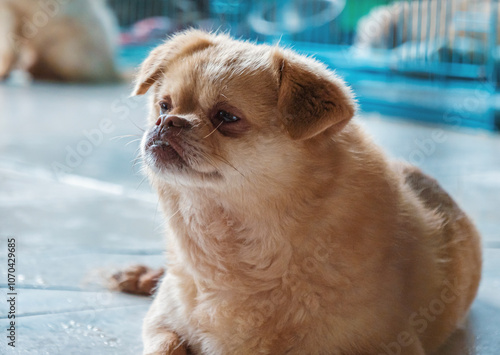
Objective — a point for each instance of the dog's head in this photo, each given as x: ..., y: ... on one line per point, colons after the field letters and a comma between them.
x: 225, y: 112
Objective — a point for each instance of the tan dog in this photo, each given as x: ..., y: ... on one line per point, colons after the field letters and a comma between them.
x: 66, y: 40
x: 288, y: 230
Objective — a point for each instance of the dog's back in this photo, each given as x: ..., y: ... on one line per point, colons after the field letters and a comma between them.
x: 458, y: 250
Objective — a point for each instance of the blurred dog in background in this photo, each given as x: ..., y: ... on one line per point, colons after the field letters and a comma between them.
x: 63, y: 40
x: 458, y: 28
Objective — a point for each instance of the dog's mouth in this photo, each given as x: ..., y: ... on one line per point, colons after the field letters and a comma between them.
x: 165, y: 153
x: 173, y: 155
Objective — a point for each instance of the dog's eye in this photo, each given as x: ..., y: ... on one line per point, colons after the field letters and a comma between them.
x: 230, y: 123
x: 164, y: 107
x: 226, y: 117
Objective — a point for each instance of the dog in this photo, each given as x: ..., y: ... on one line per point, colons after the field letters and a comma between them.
x: 289, y: 231
x: 58, y: 40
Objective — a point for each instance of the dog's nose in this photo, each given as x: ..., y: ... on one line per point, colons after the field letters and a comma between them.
x: 172, y: 121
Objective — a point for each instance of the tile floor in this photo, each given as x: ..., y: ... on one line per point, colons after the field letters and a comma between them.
x: 71, y: 229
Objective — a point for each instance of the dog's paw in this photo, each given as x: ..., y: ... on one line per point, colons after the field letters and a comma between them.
x: 137, y: 279
x: 171, y: 344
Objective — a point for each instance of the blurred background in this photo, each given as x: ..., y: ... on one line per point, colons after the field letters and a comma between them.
x: 419, y: 59
x: 426, y: 74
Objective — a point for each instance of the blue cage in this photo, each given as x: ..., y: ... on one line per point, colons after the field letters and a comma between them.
x: 433, y: 60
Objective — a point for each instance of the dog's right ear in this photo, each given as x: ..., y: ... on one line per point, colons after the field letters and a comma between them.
x: 179, y: 45
x: 149, y: 71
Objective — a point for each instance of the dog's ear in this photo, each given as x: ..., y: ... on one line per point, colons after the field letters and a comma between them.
x: 182, y: 44
x: 311, y: 98
x: 149, y: 71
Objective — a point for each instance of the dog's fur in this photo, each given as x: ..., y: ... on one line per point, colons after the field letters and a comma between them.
x: 292, y: 233
x: 63, y: 40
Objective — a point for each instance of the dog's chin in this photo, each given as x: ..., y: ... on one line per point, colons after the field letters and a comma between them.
x: 166, y: 163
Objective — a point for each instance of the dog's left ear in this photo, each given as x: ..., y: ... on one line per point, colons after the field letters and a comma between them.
x: 311, y: 98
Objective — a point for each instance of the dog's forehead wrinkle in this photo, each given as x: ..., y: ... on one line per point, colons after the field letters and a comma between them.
x: 229, y: 61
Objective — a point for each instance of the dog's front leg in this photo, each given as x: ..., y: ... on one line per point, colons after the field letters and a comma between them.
x: 163, y: 342
x: 158, y: 332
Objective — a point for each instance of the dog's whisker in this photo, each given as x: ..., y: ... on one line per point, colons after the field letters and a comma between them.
x: 215, y: 129
x: 164, y: 222
x: 225, y: 161
x: 135, y: 161
x: 133, y: 141
x: 136, y: 125
x: 173, y: 215
x: 124, y: 136
x: 156, y: 209
x: 142, y: 181
x: 208, y: 159
x: 141, y: 169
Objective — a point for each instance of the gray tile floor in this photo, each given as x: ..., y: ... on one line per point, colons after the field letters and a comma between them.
x: 73, y: 229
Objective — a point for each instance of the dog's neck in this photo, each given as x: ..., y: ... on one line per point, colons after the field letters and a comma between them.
x: 222, y: 240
